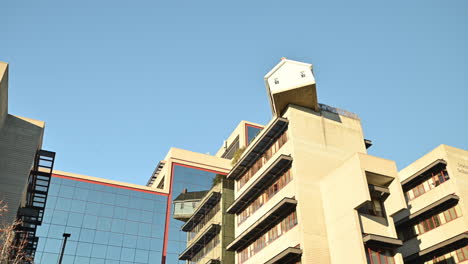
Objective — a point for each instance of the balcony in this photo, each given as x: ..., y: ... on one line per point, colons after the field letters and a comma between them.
x: 270, y: 219
x: 260, y: 184
x: 197, y: 245
x: 260, y: 144
x: 204, y: 207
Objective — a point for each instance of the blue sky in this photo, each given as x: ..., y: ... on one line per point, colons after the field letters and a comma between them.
x: 120, y: 82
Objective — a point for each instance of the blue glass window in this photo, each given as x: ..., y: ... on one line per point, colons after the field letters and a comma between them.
x: 252, y: 132
x: 97, y: 217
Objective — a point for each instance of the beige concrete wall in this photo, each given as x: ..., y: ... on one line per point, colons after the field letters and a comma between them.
x: 3, y: 92
x: 20, y: 138
x: 457, y: 167
x: 344, y: 190
x: 319, y: 145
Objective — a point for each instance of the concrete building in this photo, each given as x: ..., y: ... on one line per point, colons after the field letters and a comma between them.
x: 434, y: 228
x: 305, y: 189
x: 301, y: 189
x: 25, y: 168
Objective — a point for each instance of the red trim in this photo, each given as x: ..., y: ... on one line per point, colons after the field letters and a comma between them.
x: 168, y: 205
x: 108, y: 184
x: 247, y: 132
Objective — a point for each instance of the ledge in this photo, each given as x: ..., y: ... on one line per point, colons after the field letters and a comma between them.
x: 197, y: 245
x: 205, y: 205
x: 439, y: 249
x: 260, y: 184
x: 381, y: 241
x: 439, y: 205
x: 423, y: 170
x: 287, y: 256
x: 254, y: 151
x: 270, y: 219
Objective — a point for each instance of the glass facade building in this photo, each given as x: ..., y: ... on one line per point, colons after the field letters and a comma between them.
x: 193, y: 179
x: 107, y: 223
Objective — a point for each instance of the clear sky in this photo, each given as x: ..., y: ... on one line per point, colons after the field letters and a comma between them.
x: 120, y: 82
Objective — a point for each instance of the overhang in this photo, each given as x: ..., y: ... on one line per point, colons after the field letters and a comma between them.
x: 213, y: 261
x: 437, y: 206
x: 423, y: 170
x: 260, y: 184
x: 198, y: 244
x: 270, y: 219
x: 439, y: 249
x: 256, y: 149
x: 287, y: 256
x: 205, y: 205
x: 381, y: 241
x: 381, y: 191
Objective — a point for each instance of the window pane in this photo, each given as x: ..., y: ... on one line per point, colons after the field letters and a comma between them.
x: 465, y: 252
x: 374, y: 257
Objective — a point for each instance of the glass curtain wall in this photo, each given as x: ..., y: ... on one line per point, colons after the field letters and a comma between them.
x: 107, y: 224
x: 193, y: 179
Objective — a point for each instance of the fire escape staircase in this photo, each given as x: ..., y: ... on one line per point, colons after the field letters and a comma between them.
x: 31, y: 213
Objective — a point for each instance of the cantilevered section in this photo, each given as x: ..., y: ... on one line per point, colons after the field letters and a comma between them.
x: 205, y: 205
x: 156, y: 172
x: 197, y: 245
x: 439, y: 249
x: 287, y: 256
x: 381, y: 241
x: 261, y: 183
x: 437, y: 206
x: 254, y: 151
x: 423, y: 170
x: 270, y: 219
x: 291, y: 82
x: 186, y: 203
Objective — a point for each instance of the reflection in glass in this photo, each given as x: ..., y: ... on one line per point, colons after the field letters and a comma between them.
x: 101, y: 227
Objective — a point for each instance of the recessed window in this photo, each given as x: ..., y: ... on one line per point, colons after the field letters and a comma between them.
x: 375, y: 207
